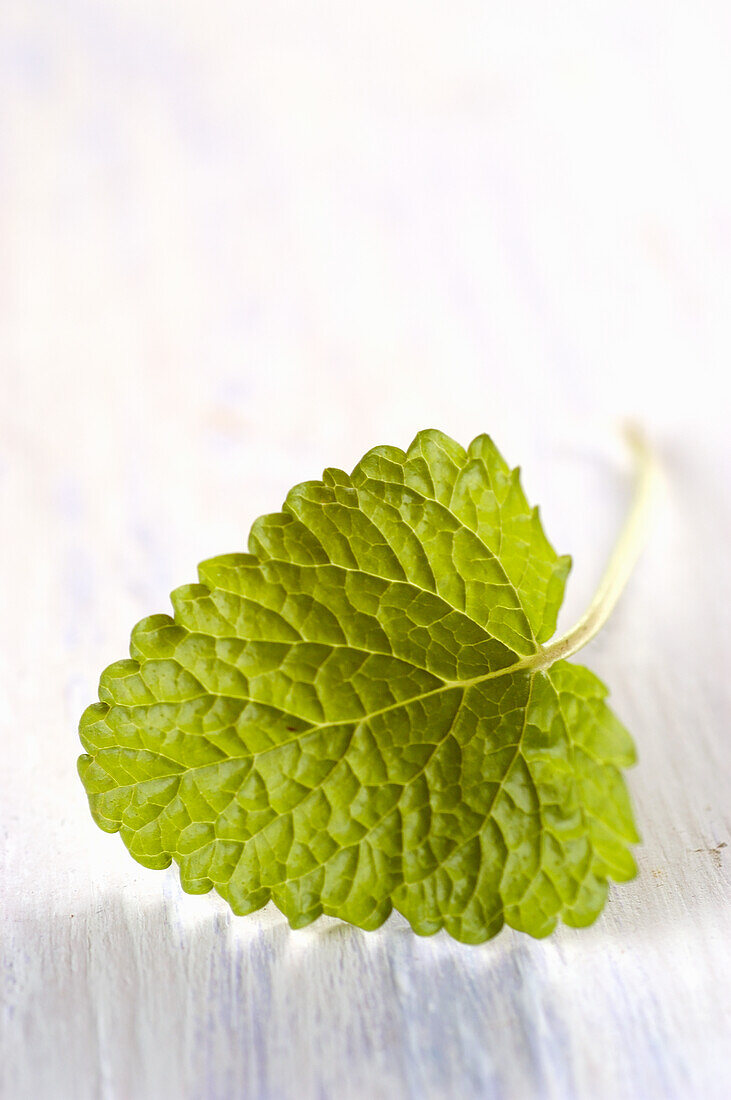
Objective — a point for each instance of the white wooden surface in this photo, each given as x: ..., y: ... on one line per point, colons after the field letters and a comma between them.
x: 242, y: 241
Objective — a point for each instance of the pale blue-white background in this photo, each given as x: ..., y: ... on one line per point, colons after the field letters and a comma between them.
x: 243, y: 241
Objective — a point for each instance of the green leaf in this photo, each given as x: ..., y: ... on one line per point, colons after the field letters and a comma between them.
x: 356, y: 715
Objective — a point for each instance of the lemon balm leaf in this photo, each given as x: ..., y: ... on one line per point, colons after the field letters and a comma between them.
x: 365, y: 712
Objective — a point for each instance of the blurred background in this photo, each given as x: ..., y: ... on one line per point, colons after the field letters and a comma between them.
x: 240, y: 245
x: 243, y: 241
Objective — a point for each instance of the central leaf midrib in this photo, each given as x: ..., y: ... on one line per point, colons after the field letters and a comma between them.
x: 449, y: 685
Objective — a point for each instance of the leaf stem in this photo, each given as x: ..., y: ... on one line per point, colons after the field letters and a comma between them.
x: 625, y: 554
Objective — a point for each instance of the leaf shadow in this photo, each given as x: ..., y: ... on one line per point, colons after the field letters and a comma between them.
x: 164, y: 994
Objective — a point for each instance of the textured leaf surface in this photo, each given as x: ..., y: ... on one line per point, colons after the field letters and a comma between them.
x: 335, y: 720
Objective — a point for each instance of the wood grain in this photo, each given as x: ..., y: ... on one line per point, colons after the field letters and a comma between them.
x: 237, y: 247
